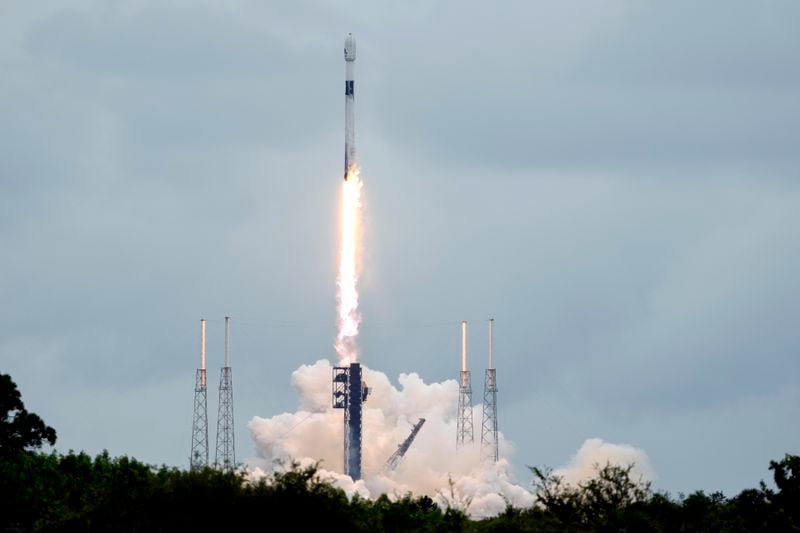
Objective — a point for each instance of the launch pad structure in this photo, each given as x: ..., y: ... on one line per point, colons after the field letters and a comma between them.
x: 349, y: 393
x: 398, y: 455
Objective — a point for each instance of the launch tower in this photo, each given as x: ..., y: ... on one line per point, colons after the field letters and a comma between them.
x: 349, y: 393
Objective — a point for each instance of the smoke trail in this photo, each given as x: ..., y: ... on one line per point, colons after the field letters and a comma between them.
x: 349, y: 317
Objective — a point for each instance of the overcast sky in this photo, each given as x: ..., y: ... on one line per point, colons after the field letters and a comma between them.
x: 616, y: 183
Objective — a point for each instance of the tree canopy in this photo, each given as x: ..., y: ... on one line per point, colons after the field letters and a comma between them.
x: 19, y: 429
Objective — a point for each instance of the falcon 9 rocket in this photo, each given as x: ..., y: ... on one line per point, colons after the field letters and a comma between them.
x: 349, y: 104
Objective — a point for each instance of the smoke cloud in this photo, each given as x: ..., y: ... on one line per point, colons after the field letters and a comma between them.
x: 432, y: 466
x: 596, y: 452
x: 315, y: 432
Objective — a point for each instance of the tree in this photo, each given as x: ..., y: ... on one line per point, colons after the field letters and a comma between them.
x: 19, y: 429
x: 600, y: 501
x: 786, y: 474
x: 554, y: 495
x: 786, y: 501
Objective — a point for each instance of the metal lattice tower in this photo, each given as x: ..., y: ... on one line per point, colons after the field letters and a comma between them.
x: 489, y: 451
x: 349, y: 393
x: 339, y: 393
x: 225, y: 456
x: 198, y: 457
x: 464, y: 427
x: 398, y: 455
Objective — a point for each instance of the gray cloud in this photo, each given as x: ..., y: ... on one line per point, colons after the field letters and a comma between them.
x: 642, y: 87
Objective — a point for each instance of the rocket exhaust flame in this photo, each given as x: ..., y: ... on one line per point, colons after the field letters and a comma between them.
x: 349, y: 317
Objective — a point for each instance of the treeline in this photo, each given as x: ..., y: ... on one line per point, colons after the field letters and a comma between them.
x: 76, y: 492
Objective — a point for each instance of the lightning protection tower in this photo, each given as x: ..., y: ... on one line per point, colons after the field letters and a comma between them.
x: 225, y: 456
x: 489, y: 451
x: 198, y: 457
x: 349, y: 393
x: 464, y: 429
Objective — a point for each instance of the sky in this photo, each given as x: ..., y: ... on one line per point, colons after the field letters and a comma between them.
x: 615, y: 183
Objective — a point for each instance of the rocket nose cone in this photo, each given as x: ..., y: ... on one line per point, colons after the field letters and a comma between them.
x: 349, y: 48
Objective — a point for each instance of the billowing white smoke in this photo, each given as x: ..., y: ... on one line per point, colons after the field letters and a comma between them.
x: 597, y: 453
x: 315, y: 432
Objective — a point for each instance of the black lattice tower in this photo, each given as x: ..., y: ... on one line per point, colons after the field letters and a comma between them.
x: 225, y: 456
x: 349, y: 393
x: 489, y: 444
x: 464, y: 426
x: 398, y: 455
x: 198, y: 457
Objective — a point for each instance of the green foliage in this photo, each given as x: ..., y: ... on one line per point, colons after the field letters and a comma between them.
x: 786, y: 475
x: 604, y: 501
x: 76, y: 492
x: 613, y: 501
x: 19, y: 429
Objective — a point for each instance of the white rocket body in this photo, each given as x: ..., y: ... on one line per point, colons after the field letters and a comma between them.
x: 349, y: 105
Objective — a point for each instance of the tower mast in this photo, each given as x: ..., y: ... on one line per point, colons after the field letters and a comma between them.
x: 489, y: 444
x: 225, y: 456
x: 464, y: 426
x: 198, y: 457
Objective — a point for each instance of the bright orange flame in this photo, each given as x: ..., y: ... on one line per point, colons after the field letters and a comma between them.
x: 349, y: 317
